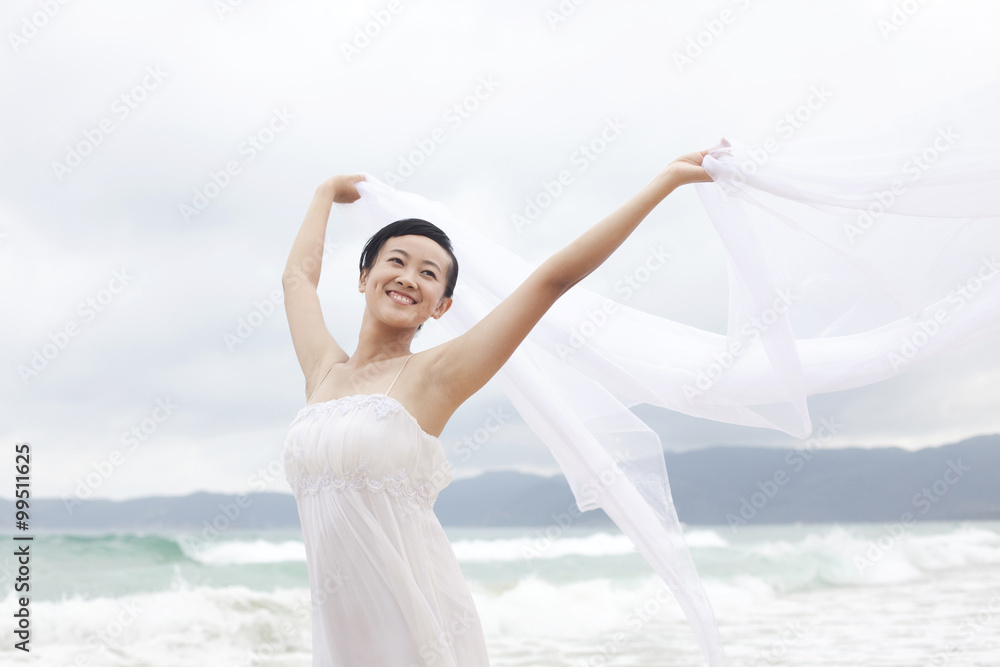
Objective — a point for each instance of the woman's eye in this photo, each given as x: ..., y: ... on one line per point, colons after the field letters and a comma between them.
x: 401, y: 261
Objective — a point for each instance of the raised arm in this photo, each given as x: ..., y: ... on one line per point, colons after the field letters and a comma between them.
x: 467, y: 362
x: 314, y: 346
x: 579, y: 259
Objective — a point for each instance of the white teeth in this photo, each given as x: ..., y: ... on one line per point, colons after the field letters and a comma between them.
x: 396, y: 296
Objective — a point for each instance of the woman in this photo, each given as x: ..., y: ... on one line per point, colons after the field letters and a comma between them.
x: 366, y: 467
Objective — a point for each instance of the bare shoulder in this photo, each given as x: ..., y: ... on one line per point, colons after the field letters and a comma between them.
x: 460, y: 367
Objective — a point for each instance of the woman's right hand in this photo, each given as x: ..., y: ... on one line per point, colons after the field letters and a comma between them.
x: 343, y: 188
x: 688, y: 168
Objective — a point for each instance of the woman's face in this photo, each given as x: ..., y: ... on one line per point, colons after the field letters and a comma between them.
x: 410, y: 266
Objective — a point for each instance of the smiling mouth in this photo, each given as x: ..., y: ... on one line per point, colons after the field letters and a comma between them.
x: 400, y: 298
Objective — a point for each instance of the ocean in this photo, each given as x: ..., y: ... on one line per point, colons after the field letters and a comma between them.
x: 831, y: 594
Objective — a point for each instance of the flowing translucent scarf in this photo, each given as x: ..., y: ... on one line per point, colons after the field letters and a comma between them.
x: 850, y: 259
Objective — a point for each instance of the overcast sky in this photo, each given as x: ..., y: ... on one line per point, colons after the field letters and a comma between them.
x: 119, y: 116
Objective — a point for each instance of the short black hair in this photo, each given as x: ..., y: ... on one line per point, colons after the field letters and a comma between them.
x: 408, y: 227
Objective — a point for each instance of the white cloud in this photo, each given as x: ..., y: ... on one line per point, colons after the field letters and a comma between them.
x: 163, y: 334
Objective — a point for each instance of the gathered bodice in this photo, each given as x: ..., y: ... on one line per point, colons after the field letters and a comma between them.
x: 364, y: 441
x: 365, y: 477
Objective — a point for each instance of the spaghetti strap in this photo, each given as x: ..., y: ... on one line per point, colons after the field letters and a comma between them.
x: 318, y: 385
x: 397, y: 375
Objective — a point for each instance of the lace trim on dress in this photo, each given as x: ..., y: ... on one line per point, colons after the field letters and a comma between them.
x: 383, y: 405
x: 398, y: 484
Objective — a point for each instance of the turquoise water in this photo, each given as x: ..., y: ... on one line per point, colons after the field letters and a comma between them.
x: 798, y: 594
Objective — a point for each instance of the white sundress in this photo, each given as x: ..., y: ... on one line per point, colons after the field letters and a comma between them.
x: 386, y: 587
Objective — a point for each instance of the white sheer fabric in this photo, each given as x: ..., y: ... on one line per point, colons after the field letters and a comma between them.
x: 850, y: 259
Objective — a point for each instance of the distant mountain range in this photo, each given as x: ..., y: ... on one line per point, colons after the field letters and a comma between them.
x: 718, y: 485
